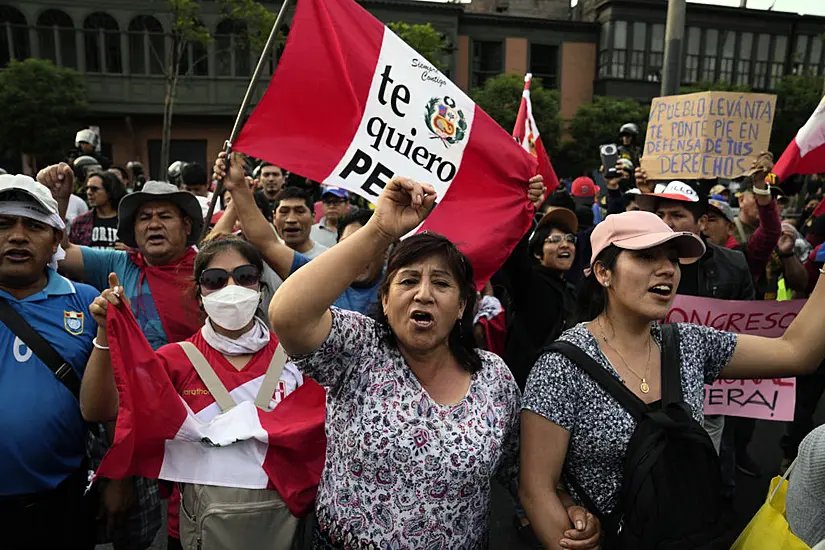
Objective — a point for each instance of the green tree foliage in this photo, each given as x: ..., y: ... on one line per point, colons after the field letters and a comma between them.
x: 596, y: 124
x: 187, y: 28
x: 500, y: 98
x: 424, y: 39
x: 42, y: 108
x: 796, y: 99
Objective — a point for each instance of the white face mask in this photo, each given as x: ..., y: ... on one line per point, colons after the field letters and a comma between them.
x: 232, y: 307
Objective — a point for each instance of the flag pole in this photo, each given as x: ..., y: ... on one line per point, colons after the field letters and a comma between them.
x: 236, y: 128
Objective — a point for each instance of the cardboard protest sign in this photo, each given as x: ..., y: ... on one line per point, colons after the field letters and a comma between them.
x: 765, y: 399
x: 706, y: 135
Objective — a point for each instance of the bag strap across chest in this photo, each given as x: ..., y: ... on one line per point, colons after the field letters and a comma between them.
x: 222, y: 396
x: 671, y: 373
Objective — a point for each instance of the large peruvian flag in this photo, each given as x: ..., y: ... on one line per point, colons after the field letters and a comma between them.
x: 351, y: 105
x: 806, y: 153
x: 527, y: 134
x: 160, y: 437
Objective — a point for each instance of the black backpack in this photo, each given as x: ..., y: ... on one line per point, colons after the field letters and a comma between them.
x: 671, y: 486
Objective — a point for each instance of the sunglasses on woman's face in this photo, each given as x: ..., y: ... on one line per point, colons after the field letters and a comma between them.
x: 216, y: 278
x: 556, y: 239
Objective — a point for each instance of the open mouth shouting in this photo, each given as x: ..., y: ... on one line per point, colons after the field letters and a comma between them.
x: 421, y: 319
x: 662, y: 290
x: 18, y: 255
x: 565, y: 254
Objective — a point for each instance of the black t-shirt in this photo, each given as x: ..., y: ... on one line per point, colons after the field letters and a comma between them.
x: 104, y: 232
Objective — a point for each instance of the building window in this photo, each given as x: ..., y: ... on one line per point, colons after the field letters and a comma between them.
x: 780, y: 49
x: 56, y: 38
x: 692, y: 45
x: 728, y: 53
x: 816, y: 55
x: 14, y: 36
x: 619, y: 55
x: 657, y: 52
x: 147, y: 51
x: 709, y: 59
x: 743, y: 64
x: 760, y: 66
x: 102, y: 40
x: 800, y: 54
x: 232, y: 52
x: 488, y: 61
x: 544, y: 64
x: 637, y: 54
x: 604, y: 50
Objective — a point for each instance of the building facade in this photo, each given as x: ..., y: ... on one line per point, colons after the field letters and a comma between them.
x: 740, y: 46
x: 120, y: 47
x: 604, y: 47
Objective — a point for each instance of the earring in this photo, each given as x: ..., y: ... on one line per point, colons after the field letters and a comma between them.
x: 606, y: 284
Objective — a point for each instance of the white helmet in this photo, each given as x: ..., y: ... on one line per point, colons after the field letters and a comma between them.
x: 629, y: 129
x: 88, y: 136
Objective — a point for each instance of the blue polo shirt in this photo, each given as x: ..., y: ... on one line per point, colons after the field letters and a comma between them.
x: 98, y: 263
x: 42, y: 435
x: 353, y: 299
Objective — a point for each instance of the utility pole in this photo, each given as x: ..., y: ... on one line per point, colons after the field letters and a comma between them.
x: 674, y: 35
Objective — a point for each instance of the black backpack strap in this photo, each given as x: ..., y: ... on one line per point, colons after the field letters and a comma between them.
x: 671, y: 366
x: 40, y: 347
x: 626, y: 398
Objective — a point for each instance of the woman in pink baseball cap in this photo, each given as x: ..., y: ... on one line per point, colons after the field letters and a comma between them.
x: 614, y: 408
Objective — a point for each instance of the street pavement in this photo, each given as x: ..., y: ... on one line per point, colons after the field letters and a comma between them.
x: 750, y: 492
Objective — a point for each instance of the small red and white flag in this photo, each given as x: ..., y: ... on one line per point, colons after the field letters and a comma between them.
x: 351, y: 105
x: 806, y: 153
x: 527, y: 135
x: 159, y: 436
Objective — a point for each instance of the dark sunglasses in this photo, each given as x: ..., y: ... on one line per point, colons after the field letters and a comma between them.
x: 556, y: 239
x: 216, y: 278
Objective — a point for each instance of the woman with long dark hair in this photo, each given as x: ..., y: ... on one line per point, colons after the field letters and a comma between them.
x: 576, y: 431
x: 98, y: 227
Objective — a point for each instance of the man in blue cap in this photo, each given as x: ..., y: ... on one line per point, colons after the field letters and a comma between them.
x: 335, y: 202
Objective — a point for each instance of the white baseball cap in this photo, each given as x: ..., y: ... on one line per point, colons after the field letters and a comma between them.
x: 25, y: 185
x: 673, y: 191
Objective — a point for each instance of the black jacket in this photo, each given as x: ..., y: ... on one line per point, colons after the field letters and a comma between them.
x: 721, y: 273
x: 541, y: 305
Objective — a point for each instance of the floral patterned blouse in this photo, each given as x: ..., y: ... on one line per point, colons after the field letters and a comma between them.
x: 403, y: 472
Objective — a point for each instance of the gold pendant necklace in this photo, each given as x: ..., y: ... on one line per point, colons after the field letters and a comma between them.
x: 644, y: 387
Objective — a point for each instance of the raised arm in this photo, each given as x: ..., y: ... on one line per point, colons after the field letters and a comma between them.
x: 299, y: 311
x: 256, y: 229
x: 98, y: 393
x: 59, y: 178
x: 799, y: 351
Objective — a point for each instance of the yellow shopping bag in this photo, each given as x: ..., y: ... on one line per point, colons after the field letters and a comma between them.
x: 769, y: 530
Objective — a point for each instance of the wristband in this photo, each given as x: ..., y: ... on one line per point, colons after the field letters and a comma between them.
x: 98, y: 346
x: 762, y: 192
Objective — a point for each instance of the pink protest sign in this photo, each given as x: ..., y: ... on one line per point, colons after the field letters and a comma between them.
x: 765, y: 399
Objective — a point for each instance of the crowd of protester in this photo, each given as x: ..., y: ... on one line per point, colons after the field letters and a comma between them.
x: 551, y: 381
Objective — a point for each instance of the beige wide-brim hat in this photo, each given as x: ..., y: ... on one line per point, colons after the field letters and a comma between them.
x: 158, y: 191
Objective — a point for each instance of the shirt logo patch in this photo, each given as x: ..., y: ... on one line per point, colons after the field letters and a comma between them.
x: 73, y: 322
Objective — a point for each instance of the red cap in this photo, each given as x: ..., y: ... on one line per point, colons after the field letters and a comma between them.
x: 583, y: 187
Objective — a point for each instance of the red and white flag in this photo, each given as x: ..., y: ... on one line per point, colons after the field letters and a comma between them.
x: 159, y: 436
x: 806, y: 153
x: 351, y: 105
x: 527, y: 134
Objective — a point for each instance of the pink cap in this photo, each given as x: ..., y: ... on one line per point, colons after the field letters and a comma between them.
x: 641, y: 230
